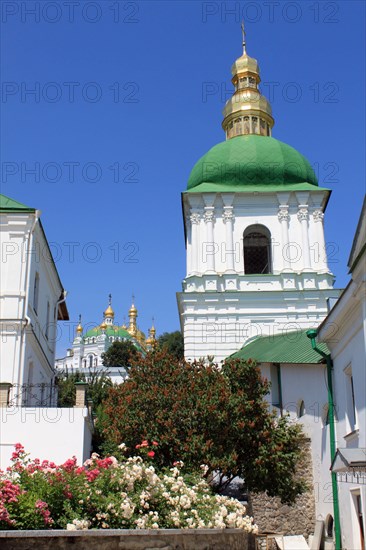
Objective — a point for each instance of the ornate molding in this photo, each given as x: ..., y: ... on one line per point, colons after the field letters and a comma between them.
x: 228, y: 214
x: 318, y: 215
x: 195, y: 218
x: 209, y: 214
x: 303, y: 214
x: 283, y: 214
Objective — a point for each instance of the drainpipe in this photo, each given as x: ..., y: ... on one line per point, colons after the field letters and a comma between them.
x: 312, y: 334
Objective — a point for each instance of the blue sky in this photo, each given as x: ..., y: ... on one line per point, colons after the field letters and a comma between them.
x: 128, y: 96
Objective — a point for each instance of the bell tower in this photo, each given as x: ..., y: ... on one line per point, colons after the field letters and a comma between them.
x: 253, y: 217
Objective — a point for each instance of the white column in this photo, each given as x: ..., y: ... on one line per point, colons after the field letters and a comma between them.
x: 303, y: 216
x: 321, y: 262
x: 195, y: 220
x: 228, y: 217
x: 284, y: 218
x: 210, y: 246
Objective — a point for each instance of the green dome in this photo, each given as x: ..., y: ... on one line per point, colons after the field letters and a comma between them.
x: 251, y: 163
x: 109, y: 331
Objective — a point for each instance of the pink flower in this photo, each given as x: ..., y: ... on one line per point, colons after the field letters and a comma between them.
x: 155, y: 443
x: 145, y: 443
x: 92, y: 474
x: 151, y: 454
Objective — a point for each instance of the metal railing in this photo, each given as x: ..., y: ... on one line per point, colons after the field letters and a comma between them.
x: 33, y: 395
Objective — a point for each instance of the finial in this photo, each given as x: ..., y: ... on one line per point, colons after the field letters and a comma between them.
x: 110, y: 299
x: 243, y: 35
x: 133, y: 298
x: 79, y: 328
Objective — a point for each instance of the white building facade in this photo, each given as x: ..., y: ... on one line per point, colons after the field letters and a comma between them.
x: 344, y: 331
x: 32, y: 300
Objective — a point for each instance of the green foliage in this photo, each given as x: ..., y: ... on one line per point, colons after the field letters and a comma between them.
x: 202, y: 414
x: 120, y: 355
x: 173, y: 343
x: 98, y: 387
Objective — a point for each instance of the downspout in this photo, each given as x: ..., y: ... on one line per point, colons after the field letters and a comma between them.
x: 26, y: 298
x: 312, y: 334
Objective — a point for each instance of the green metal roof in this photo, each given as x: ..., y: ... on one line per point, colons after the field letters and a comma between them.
x: 10, y: 205
x: 109, y: 331
x: 252, y: 163
x: 291, y: 347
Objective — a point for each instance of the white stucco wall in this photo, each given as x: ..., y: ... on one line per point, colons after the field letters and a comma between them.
x: 307, y: 383
x: 46, y: 433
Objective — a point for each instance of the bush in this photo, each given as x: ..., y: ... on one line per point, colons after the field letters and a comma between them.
x: 107, y: 493
x: 203, y: 414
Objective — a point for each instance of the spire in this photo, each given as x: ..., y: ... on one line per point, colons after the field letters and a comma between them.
x: 247, y: 111
x: 151, y: 341
x: 244, y: 36
x: 132, y: 314
x: 79, y: 328
x: 109, y: 313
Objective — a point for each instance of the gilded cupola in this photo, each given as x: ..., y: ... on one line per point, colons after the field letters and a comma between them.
x: 79, y: 328
x: 247, y: 111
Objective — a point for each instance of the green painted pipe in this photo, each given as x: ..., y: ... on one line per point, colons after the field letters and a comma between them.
x: 312, y: 334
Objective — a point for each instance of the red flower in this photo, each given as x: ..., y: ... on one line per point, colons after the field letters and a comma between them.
x: 151, y: 454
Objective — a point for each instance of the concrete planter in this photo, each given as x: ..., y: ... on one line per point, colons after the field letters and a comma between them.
x: 110, y: 539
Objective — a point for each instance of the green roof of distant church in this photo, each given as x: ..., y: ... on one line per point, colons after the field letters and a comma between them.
x: 109, y: 331
x: 10, y: 205
x: 250, y: 163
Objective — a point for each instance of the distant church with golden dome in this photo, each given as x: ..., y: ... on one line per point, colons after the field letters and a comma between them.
x: 89, y: 344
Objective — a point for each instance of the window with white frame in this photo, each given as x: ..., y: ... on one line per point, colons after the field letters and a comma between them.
x: 350, y: 399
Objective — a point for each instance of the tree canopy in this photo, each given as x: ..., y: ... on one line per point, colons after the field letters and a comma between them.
x: 173, y: 343
x: 119, y: 355
x: 203, y: 414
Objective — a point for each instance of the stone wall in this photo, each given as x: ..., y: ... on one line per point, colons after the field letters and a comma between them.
x: 298, y: 519
x: 106, y: 539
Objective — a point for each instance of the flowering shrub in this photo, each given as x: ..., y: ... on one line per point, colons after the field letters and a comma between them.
x: 110, y: 493
x: 205, y: 414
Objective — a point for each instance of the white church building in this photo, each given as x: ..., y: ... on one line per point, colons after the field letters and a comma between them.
x: 93, y: 340
x: 257, y: 273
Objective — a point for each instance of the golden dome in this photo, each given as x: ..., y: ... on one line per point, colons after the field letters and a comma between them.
x: 109, y: 311
x: 79, y: 328
x: 132, y: 310
x: 103, y: 326
x: 247, y: 111
x: 245, y: 64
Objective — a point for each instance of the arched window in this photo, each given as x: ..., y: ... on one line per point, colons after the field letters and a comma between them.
x: 257, y: 250
x: 90, y: 361
x: 329, y: 524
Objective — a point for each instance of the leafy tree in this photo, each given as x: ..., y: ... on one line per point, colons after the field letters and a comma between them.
x: 203, y: 414
x: 173, y: 343
x: 98, y: 387
x: 120, y: 355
